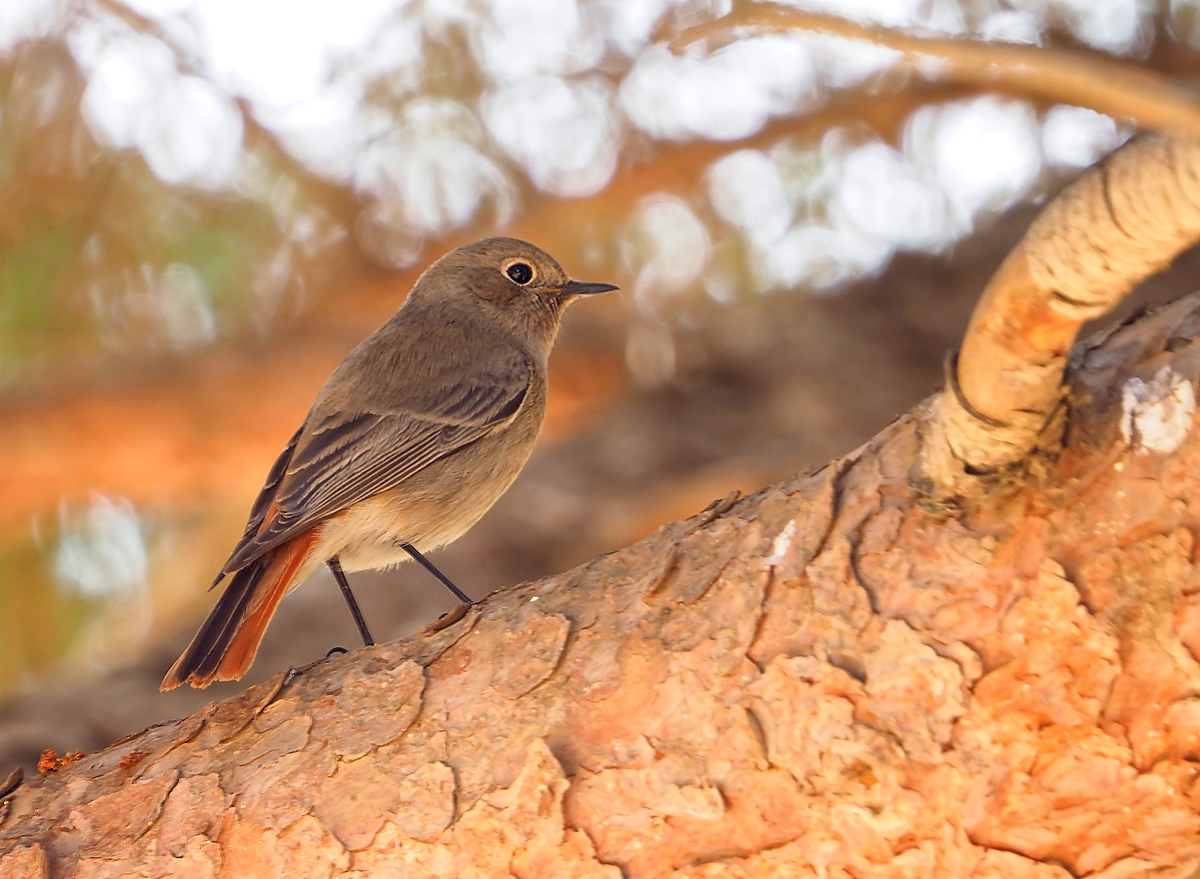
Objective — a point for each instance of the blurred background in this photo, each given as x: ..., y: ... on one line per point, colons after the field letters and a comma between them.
x: 204, y: 204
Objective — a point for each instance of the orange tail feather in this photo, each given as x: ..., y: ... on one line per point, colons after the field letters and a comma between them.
x: 225, y: 646
x: 239, y: 655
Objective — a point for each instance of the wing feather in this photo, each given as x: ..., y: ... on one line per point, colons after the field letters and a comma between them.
x: 340, y: 458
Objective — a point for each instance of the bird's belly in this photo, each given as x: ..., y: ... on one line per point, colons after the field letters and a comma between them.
x: 428, y: 510
x: 372, y: 556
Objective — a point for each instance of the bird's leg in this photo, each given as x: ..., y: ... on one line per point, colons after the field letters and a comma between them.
x: 442, y: 578
x: 335, y: 568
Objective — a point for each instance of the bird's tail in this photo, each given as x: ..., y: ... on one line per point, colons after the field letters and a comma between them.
x: 224, y: 647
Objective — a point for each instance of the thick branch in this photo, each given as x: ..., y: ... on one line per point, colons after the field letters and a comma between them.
x: 1114, y: 227
x: 208, y: 431
x: 820, y: 678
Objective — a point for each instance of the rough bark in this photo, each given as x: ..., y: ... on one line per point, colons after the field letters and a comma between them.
x: 820, y: 679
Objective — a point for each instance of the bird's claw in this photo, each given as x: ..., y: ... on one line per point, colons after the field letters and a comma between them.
x: 333, y: 650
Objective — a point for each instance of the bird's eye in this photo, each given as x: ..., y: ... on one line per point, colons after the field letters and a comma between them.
x: 520, y: 272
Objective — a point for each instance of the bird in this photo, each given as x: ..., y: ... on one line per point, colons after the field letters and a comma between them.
x: 415, y: 435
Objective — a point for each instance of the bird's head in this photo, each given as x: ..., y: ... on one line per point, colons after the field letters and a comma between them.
x: 508, y: 282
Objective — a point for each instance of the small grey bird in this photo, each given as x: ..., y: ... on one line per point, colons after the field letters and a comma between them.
x: 415, y: 435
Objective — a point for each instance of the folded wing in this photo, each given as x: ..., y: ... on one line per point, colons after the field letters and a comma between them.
x: 342, y: 457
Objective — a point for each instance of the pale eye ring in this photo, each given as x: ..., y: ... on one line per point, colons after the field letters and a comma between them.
x: 519, y: 272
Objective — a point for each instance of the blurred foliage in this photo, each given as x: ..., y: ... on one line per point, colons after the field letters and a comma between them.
x: 40, y: 621
x: 87, y: 232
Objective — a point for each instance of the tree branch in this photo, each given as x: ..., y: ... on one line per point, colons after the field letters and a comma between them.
x: 1111, y: 229
x: 1102, y: 83
x: 820, y: 676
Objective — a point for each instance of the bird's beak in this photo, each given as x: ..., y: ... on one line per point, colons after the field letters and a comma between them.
x: 581, y: 288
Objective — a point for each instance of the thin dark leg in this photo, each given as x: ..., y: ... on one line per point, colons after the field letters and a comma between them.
x: 338, y: 574
x: 442, y: 578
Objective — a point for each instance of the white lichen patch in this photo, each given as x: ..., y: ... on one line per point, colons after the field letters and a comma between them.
x: 1157, y: 415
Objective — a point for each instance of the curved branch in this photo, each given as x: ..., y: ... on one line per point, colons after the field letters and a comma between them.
x: 1108, y: 86
x: 1114, y: 227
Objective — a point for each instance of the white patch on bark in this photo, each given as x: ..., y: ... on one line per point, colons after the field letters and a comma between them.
x: 1157, y: 415
x: 783, y: 542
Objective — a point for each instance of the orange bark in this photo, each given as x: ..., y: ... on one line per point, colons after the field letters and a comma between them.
x: 817, y: 680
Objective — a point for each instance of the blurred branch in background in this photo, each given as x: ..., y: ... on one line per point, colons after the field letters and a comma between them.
x: 1090, y: 80
x: 202, y: 209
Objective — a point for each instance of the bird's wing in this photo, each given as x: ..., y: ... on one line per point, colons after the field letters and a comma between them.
x: 342, y: 457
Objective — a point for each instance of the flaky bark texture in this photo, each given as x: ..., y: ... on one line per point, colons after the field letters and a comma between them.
x: 818, y: 680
